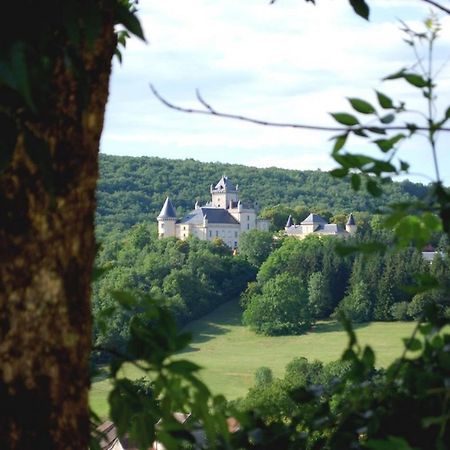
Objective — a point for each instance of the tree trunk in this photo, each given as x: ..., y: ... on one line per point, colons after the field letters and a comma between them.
x: 47, y: 249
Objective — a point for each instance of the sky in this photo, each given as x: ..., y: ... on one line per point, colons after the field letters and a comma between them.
x: 289, y: 61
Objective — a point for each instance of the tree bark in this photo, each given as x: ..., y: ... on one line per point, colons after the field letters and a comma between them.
x: 47, y: 250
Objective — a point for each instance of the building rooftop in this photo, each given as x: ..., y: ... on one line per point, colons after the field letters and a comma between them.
x: 314, y: 219
x: 167, y: 211
x: 213, y: 215
x: 224, y: 184
x: 351, y: 220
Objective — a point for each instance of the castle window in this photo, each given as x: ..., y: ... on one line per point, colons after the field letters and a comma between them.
x: 235, y: 243
x: 217, y: 233
x: 235, y: 234
x: 248, y: 226
x: 248, y: 217
x: 184, y: 228
x: 210, y: 233
x: 162, y: 225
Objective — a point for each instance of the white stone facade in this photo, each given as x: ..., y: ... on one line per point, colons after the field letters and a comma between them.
x: 225, y: 217
x: 315, y: 224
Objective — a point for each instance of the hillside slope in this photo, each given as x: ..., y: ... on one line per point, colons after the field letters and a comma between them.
x: 132, y: 189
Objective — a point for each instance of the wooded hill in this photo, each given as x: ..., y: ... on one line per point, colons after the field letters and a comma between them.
x: 133, y: 189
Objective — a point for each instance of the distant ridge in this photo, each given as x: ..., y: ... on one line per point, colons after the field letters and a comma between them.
x: 132, y: 189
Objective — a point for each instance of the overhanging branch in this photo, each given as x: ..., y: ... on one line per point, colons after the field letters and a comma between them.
x: 210, y: 111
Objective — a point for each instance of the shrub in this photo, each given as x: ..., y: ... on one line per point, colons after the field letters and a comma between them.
x: 399, y: 311
x: 263, y: 376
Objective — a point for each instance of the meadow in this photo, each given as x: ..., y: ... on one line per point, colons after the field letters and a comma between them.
x: 230, y: 353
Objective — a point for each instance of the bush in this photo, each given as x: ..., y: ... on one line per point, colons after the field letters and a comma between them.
x: 399, y: 311
x: 282, y: 308
x: 418, y: 303
x: 263, y: 376
x: 356, y: 305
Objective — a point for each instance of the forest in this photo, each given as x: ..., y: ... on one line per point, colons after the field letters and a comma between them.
x: 285, y: 284
x: 132, y: 190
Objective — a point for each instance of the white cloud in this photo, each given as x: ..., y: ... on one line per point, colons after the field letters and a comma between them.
x: 289, y: 61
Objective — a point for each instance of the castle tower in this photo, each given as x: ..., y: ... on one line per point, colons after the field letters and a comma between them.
x: 350, y: 226
x: 289, y: 222
x: 166, y: 220
x: 224, y: 193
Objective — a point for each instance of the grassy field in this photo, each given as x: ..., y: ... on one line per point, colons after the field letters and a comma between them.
x: 230, y: 353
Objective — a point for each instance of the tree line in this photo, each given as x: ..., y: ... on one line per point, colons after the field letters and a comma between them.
x: 303, y: 281
x: 190, y: 278
x: 132, y: 190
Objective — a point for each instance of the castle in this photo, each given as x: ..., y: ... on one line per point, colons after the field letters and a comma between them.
x: 225, y: 217
x: 315, y: 224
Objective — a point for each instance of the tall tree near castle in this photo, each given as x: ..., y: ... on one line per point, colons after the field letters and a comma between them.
x: 55, y: 63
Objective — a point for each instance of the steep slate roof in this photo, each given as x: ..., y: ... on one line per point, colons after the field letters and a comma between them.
x: 289, y: 222
x: 314, y: 219
x: 224, y: 184
x: 351, y: 220
x: 213, y: 215
x: 167, y: 211
x: 331, y: 228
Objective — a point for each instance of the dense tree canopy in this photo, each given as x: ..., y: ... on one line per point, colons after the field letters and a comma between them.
x: 189, y: 277
x: 132, y: 190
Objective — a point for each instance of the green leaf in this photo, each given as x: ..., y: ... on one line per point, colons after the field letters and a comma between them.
x: 395, y: 75
x: 391, y: 443
x: 412, y: 344
x: 128, y: 19
x: 440, y: 420
x: 339, y: 173
x: 425, y: 329
x: 386, y: 144
x: 340, y: 142
x: 21, y: 72
x: 125, y: 299
x: 368, y: 357
x: 384, y: 101
x: 412, y: 128
x: 183, y: 367
x: 345, y: 119
x: 360, y: 132
x: 377, y: 130
x: 355, y: 181
x: 416, y: 80
x: 361, y: 106
x: 361, y: 8
x: 388, y: 118
x: 373, y: 188
x: 404, y: 165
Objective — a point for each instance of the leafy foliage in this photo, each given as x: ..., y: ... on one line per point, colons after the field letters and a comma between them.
x: 190, y: 277
x: 132, y: 190
x: 136, y: 407
x: 281, y: 308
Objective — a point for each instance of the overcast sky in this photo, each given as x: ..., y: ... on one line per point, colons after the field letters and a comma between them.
x: 289, y: 61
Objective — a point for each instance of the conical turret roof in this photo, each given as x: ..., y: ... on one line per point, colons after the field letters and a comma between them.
x: 289, y: 222
x: 351, y: 220
x: 167, y: 211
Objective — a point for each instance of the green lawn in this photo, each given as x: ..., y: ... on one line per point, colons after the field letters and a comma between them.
x: 230, y: 353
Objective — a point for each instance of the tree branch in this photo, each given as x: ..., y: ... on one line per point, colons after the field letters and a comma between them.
x: 210, y: 111
x: 437, y: 5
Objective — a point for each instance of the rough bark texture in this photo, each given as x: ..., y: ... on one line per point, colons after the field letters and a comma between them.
x: 47, y: 249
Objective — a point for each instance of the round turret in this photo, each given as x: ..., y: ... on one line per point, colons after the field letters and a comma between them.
x: 351, y: 226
